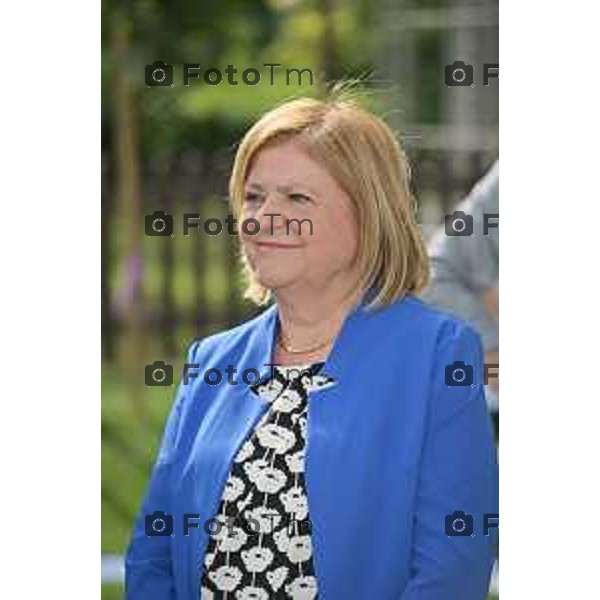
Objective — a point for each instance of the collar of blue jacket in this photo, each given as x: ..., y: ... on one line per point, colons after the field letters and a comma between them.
x: 392, y: 451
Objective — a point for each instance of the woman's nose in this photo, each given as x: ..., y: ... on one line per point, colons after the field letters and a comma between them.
x: 271, y: 215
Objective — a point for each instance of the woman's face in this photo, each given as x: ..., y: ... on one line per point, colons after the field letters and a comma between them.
x: 286, y: 183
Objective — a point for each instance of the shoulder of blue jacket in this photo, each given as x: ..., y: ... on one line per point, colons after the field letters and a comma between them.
x: 441, y: 326
x: 226, y: 340
x: 416, y: 311
x: 439, y: 317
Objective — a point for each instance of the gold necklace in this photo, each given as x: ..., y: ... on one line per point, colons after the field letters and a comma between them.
x: 290, y: 350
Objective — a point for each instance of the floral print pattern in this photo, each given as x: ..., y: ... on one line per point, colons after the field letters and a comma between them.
x: 264, y: 548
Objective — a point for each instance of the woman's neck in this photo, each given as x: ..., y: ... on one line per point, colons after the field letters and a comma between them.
x: 310, y: 322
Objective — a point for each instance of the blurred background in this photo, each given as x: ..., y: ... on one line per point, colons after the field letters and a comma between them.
x: 171, y: 148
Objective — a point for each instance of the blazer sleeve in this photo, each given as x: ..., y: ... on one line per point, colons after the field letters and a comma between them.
x: 459, y: 472
x: 148, y: 569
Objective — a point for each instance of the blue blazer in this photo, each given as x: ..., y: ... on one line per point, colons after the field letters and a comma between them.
x: 392, y: 450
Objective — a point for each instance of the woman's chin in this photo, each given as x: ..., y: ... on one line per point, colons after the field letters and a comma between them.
x: 273, y: 280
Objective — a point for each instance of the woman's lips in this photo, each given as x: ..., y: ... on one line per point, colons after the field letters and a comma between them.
x: 274, y: 245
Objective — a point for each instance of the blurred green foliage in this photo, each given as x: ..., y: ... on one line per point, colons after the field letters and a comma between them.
x: 244, y: 34
x: 112, y: 591
x: 128, y: 452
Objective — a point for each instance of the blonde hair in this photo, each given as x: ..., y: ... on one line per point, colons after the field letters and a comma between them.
x: 362, y: 154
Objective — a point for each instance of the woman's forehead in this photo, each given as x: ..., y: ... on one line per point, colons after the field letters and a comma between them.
x: 284, y: 166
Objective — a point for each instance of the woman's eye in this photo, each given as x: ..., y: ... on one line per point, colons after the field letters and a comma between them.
x: 251, y: 197
x: 302, y: 198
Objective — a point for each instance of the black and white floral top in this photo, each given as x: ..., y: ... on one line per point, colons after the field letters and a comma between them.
x: 263, y: 548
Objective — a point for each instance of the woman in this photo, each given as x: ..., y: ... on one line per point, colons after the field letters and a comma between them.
x: 341, y: 483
